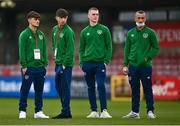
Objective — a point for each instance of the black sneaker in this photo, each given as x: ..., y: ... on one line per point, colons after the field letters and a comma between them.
x: 62, y: 116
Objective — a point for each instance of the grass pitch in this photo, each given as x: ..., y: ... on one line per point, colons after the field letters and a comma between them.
x: 168, y: 113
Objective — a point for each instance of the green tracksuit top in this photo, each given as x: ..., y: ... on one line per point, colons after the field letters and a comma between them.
x: 140, y: 47
x: 95, y: 44
x: 63, y: 41
x: 28, y: 41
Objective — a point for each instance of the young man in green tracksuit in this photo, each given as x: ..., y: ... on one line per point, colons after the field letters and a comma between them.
x: 63, y: 48
x: 33, y: 60
x: 141, y: 47
x: 95, y: 52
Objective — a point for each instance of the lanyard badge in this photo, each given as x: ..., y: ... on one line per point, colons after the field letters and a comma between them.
x: 55, y: 52
x: 37, y: 55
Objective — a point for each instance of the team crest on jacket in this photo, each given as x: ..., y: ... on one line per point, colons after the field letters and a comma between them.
x: 145, y: 35
x: 61, y: 35
x: 88, y: 34
x: 132, y: 35
x: 40, y: 37
x: 99, y: 32
x: 30, y: 37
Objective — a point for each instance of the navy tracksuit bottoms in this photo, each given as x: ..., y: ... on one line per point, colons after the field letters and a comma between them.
x: 37, y: 77
x: 95, y: 72
x: 63, y: 87
x: 145, y: 75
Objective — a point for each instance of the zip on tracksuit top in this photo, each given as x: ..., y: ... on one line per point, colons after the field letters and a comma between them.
x: 28, y: 41
x: 63, y: 41
x: 140, y: 47
x: 95, y: 44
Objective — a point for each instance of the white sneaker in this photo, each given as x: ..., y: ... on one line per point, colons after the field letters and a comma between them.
x: 105, y: 114
x: 93, y: 114
x: 132, y: 115
x: 22, y: 115
x: 151, y: 115
x: 40, y: 114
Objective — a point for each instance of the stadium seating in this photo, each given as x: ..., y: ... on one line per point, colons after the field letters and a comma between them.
x: 164, y: 64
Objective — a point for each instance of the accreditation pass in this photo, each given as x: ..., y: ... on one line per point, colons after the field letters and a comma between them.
x: 55, y: 52
x: 37, y: 55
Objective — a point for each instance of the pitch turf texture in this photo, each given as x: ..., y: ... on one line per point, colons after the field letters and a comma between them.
x: 168, y: 113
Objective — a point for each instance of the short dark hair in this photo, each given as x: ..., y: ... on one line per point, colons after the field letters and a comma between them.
x: 33, y: 14
x: 62, y: 12
x: 140, y: 11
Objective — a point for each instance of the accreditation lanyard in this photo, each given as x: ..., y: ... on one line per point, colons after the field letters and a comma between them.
x: 37, y: 53
x: 36, y: 39
x: 57, y: 35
